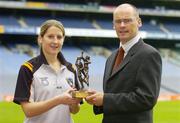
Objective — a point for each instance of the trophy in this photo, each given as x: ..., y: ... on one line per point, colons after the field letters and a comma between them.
x: 82, y: 73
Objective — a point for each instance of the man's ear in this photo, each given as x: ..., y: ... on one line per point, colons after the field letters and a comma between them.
x: 113, y: 26
x: 139, y: 22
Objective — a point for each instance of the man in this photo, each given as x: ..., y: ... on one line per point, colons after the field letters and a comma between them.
x: 131, y: 89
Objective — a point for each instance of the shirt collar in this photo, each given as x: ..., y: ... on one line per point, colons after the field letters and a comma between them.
x: 127, y: 46
x: 62, y: 67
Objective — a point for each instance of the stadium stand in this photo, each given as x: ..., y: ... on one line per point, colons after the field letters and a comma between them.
x: 68, y: 22
x: 172, y: 27
x: 105, y: 24
x: 8, y: 20
x: 9, y: 63
x: 170, y: 77
x: 150, y: 26
x: 23, y: 18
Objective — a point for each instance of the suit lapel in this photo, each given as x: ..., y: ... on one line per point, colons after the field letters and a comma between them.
x: 110, y: 64
x: 123, y: 64
x: 126, y: 60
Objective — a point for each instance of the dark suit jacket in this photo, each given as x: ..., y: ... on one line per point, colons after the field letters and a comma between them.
x: 131, y: 91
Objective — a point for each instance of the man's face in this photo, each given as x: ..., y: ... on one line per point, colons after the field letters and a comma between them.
x: 126, y: 23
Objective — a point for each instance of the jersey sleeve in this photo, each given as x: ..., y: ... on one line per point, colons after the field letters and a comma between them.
x: 23, y: 85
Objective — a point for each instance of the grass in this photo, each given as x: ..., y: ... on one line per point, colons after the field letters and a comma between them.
x: 86, y: 115
x: 167, y: 112
x: 164, y: 112
x: 10, y: 113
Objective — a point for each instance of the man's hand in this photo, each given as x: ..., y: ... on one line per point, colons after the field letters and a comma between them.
x: 95, y: 98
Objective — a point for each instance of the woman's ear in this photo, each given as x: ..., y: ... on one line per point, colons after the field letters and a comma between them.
x: 39, y: 40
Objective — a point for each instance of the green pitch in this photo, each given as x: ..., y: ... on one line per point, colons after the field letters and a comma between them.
x: 167, y: 112
x: 164, y: 112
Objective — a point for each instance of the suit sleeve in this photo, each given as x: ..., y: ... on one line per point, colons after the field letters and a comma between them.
x: 98, y: 109
x: 145, y: 93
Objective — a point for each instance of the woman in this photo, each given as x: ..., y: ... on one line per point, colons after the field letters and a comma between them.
x: 45, y: 82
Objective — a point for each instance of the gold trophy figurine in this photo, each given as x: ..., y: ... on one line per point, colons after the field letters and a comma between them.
x: 82, y: 72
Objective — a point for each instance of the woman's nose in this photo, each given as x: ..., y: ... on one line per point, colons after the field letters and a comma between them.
x: 55, y: 40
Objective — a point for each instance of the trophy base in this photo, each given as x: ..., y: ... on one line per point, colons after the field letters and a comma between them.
x: 80, y: 94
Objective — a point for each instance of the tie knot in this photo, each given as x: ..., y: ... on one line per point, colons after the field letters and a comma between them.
x: 121, y: 50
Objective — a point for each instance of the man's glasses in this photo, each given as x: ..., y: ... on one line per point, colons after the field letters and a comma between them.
x: 125, y: 21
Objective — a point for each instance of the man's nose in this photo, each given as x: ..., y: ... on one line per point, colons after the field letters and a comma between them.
x: 122, y: 23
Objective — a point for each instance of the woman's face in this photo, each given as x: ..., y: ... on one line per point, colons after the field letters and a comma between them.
x: 52, y: 41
